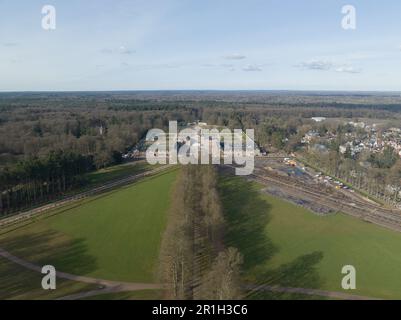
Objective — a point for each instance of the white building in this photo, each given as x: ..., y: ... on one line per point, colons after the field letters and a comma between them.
x: 318, y: 119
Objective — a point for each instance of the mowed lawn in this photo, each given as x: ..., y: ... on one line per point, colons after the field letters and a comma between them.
x: 115, y: 237
x: 287, y: 245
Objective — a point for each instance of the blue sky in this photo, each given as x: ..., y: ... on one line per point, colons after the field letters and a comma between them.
x: 202, y: 44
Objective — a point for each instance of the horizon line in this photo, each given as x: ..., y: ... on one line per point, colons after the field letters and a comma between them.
x: 202, y: 90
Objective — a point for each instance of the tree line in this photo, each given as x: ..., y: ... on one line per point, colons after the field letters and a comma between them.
x: 379, y: 180
x: 194, y: 264
x: 102, y: 123
x: 38, y: 180
x: 103, y: 126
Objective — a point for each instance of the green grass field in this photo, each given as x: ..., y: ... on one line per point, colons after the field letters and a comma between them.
x: 135, y: 295
x: 114, y: 237
x: 116, y: 172
x: 17, y: 282
x: 287, y: 245
x: 117, y: 236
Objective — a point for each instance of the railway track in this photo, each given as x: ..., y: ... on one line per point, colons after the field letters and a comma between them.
x: 336, y: 201
x: 335, y: 194
x: 16, y: 218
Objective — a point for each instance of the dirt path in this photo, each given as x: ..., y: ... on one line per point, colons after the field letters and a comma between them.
x: 311, y: 292
x: 97, y: 292
x: 114, y: 286
x: 108, y: 286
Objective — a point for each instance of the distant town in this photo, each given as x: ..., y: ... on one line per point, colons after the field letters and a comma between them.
x: 359, y: 137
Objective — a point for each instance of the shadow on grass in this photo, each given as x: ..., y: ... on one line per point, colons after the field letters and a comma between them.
x: 247, y: 216
x: 49, y: 247
x: 17, y: 282
x: 300, y: 273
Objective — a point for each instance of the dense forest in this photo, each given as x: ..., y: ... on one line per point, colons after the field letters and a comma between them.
x: 49, y: 140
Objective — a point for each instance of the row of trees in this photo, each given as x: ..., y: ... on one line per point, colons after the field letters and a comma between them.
x: 194, y: 263
x: 41, y: 179
x: 380, y: 182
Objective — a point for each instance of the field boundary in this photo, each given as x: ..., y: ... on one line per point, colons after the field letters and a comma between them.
x: 311, y: 292
x: 27, y: 215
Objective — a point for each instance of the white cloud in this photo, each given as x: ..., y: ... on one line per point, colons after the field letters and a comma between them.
x: 316, y: 65
x: 251, y: 68
x: 325, y: 65
x: 348, y: 69
x: 234, y: 56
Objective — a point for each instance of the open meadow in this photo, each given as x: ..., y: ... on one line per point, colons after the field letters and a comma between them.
x: 115, y: 236
x: 289, y: 246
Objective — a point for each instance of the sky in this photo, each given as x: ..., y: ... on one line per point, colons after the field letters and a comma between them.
x: 200, y: 44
